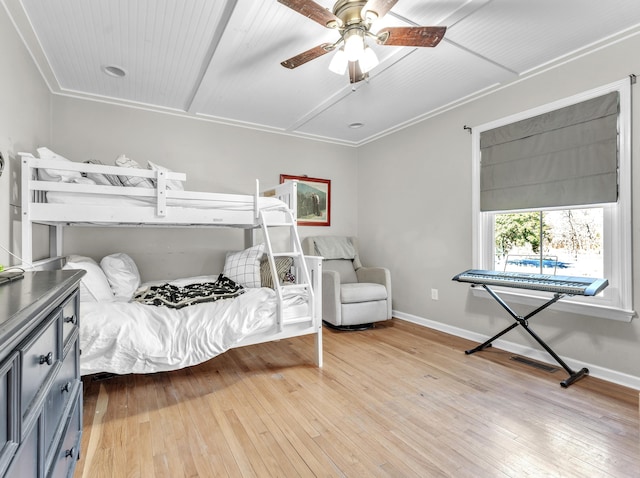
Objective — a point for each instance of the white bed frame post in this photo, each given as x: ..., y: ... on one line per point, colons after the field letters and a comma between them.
x: 55, y: 241
x: 28, y: 175
x: 314, y: 264
x: 249, y: 238
x: 27, y: 232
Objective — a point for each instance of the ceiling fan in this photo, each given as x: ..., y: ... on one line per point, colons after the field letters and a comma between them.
x: 353, y: 19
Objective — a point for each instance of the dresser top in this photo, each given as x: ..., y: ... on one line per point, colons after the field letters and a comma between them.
x: 23, y: 300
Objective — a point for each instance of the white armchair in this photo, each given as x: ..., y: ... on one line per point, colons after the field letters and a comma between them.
x: 353, y: 296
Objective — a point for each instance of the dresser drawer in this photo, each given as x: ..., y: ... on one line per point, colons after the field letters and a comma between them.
x: 70, y: 312
x: 62, y: 390
x: 39, y: 357
x: 69, y: 450
x: 27, y: 462
x: 9, y: 437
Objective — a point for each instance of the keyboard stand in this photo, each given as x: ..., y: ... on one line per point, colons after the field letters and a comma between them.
x: 524, y: 322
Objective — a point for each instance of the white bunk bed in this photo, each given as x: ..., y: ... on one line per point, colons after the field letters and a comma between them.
x: 295, y: 309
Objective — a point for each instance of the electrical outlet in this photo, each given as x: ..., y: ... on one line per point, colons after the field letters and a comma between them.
x: 434, y: 294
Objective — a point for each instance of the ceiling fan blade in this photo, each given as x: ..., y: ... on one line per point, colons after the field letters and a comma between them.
x: 315, y: 12
x: 411, y: 36
x: 355, y: 73
x: 305, y: 56
x: 380, y: 7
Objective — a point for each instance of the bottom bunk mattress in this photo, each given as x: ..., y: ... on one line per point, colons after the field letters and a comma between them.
x: 131, y: 337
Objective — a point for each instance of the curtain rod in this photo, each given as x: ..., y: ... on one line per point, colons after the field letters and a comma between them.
x: 632, y: 78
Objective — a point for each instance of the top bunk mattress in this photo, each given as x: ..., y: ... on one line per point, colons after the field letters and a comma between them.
x: 236, y: 203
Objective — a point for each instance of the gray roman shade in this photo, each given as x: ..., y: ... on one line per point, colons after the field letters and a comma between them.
x: 565, y: 157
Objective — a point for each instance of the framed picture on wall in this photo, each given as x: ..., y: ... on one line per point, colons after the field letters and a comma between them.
x: 314, y: 200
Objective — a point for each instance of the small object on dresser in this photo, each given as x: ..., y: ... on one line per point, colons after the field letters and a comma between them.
x: 10, y: 276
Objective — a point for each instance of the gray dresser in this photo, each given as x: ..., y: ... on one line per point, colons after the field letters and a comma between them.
x: 40, y: 387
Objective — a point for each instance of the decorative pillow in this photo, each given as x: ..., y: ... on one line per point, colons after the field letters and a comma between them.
x: 171, y: 184
x: 103, y: 179
x: 94, y: 286
x: 57, y: 175
x: 122, y: 274
x: 283, y: 266
x: 132, y: 181
x: 244, y: 267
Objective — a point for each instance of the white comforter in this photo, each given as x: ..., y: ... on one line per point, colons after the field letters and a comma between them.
x: 129, y: 337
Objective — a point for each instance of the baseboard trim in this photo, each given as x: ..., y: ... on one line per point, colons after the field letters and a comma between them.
x: 609, y: 375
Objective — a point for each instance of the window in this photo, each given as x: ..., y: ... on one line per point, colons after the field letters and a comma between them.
x: 519, y: 226
x: 562, y: 242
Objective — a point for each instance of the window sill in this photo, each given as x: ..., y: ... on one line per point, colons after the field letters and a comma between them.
x: 590, y: 310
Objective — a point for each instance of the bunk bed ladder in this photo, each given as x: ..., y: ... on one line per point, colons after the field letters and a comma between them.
x: 303, y: 278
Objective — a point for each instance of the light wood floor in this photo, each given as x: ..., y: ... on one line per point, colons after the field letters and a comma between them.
x: 398, y: 400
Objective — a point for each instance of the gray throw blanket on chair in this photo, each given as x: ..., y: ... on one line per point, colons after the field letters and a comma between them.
x: 334, y: 247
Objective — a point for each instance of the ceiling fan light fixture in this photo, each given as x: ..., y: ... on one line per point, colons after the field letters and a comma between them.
x: 369, y: 60
x: 354, y: 43
x: 369, y: 16
x: 353, y: 19
x: 339, y: 62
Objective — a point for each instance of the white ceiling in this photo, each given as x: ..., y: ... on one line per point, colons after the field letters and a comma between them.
x: 220, y: 59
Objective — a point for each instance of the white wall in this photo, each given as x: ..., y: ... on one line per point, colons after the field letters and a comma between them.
x: 216, y: 158
x: 415, y: 217
x: 24, y: 122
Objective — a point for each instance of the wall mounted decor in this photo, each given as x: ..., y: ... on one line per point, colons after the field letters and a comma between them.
x: 314, y: 200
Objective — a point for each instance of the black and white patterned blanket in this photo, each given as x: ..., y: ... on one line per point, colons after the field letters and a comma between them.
x: 175, y: 297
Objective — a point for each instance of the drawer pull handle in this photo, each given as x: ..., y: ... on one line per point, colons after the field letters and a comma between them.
x: 70, y: 320
x: 66, y: 387
x: 69, y: 452
x: 48, y: 359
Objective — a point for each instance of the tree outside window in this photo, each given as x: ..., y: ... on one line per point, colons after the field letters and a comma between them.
x: 562, y: 242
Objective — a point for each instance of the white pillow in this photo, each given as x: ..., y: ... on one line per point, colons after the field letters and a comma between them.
x: 94, y: 286
x: 172, y: 183
x: 57, y: 175
x: 132, y: 181
x: 122, y: 274
x: 244, y: 267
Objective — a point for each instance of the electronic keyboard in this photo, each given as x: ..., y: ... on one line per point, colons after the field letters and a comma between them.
x: 544, y: 282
